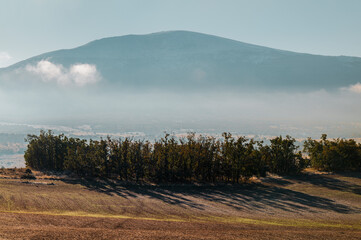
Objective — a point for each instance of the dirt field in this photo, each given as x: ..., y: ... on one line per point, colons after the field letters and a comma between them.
x: 309, y: 206
x: 33, y: 226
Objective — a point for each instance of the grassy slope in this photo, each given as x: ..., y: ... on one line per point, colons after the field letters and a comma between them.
x: 34, y: 226
x: 312, y: 200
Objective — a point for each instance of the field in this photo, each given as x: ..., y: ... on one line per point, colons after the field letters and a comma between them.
x: 313, y: 205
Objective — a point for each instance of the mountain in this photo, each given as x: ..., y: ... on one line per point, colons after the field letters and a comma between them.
x: 182, y: 81
x: 189, y: 60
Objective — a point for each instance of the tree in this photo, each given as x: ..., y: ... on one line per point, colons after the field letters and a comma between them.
x: 283, y: 156
x: 335, y: 155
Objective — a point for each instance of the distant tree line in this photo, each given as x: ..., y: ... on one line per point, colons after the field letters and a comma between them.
x: 201, y: 159
x: 334, y: 155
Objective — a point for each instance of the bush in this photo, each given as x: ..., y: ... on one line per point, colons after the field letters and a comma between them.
x: 335, y: 155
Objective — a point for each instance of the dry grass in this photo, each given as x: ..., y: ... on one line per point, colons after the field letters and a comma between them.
x: 33, y: 226
x: 308, y: 205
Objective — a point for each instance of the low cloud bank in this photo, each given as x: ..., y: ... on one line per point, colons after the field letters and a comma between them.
x: 77, y: 74
x: 356, y: 88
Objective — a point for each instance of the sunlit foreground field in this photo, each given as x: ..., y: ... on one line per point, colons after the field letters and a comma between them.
x: 313, y: 205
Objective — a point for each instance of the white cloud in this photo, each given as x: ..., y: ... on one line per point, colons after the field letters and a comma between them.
x: 48, y: 71
x: 83, y: 74
x: 78, y: 74
x: 4, y: 59
x: 356, y: 88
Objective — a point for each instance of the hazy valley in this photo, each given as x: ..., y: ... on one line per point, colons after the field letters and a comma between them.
x: 178, y: 82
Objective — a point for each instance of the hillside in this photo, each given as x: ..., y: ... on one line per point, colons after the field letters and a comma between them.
x: 195, y: 61
x: 314, y: 205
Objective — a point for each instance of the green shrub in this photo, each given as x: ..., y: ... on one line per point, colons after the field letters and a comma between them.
x: 335, y: 155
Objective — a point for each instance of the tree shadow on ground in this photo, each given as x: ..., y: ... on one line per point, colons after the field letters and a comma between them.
x: 276, y: 181
x: 350, y: 174
x: 133, y: 190
x: 329, y: 181
x: 253, y: 197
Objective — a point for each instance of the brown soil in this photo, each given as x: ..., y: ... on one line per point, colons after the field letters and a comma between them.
x: 35, y: 226
x: 310, y: 206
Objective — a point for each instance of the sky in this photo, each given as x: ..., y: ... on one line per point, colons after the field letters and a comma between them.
x: 326, y: 27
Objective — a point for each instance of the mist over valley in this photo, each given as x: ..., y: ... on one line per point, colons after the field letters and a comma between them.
x: 178, y: 82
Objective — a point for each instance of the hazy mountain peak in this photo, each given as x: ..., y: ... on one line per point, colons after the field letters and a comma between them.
x: 190, y: 60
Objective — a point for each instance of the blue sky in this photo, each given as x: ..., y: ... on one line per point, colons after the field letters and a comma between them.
x: 328, y: 27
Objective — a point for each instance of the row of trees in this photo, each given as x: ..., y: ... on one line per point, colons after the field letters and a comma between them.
x: 202, y: 158
x: 334, y: 155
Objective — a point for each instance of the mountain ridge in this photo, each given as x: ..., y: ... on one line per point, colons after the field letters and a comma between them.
x: 174, y: 59
x: 177, y: 31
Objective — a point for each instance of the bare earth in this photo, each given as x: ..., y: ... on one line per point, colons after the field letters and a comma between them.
x: 310, y: 206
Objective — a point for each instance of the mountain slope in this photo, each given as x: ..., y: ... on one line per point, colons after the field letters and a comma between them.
x: 181, y: 59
